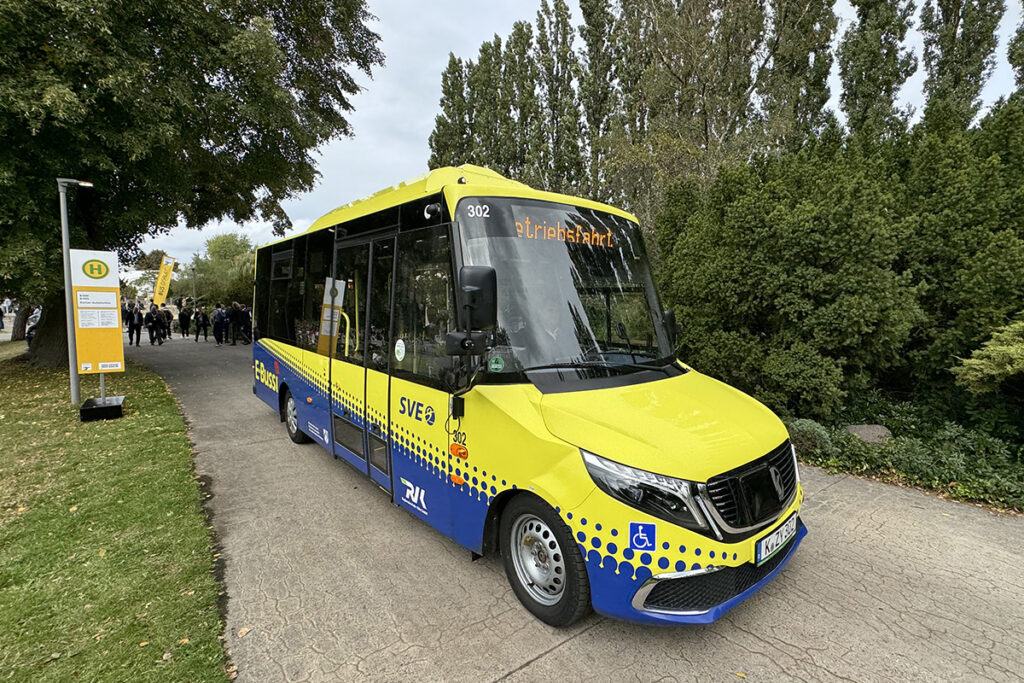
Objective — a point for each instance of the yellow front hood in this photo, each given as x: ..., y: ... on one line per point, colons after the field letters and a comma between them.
x: 690, y: 426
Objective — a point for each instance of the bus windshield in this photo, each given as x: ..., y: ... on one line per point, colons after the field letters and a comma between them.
x: 574, y: 286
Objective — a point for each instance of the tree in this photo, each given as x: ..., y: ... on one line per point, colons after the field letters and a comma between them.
x: 452, y: 138
x: 560, y: 119
x: 152, y: 260
x: 782, y: 275
x: 1015, y: 54
x: 795, y: 82
x: 959, y: 47
x: 524, y: 160
x: 486, y: 98
x: 223, y: 273
x: 596, y: 90
x: 873, y: 64
x: 180, y: 113
x: 998, y: 360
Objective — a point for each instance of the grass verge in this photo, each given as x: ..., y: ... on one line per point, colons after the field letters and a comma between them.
x: 107, y: 569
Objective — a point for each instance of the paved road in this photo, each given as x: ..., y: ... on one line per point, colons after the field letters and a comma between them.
x: 335, y: 583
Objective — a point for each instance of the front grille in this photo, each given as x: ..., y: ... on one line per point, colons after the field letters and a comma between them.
x: 747, y: 496
x: 704, y: 591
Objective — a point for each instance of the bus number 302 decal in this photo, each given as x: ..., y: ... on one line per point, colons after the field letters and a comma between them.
x: 459, y: 437
x: 479, y: 211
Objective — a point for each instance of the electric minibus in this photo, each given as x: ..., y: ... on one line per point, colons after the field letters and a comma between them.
x: 495, y: 359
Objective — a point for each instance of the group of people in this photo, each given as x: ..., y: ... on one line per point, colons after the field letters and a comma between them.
x: 230, y: 323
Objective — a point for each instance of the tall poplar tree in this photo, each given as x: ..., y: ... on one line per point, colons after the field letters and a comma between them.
x: 873, y: 64
x: 524, y: 159
x: 959, y: 47
x: 795, y: 86
x: 485, y: 99
x: 560, y: 117
x: 451, y: 140
x: 596, y: 89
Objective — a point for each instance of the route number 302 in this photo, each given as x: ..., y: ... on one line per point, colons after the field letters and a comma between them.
x: 479, y: 211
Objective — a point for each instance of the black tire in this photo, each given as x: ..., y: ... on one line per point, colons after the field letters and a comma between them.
x: 289, y: 414
x: 542, y: 562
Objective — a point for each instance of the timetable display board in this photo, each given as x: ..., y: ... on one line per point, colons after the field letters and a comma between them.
x: 96, y: 296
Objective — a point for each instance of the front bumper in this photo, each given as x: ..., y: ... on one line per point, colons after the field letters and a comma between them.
x: 693, y: 597
x: 705, y: 594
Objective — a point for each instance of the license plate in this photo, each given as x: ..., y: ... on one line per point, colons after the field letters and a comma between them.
x: 773, y: 542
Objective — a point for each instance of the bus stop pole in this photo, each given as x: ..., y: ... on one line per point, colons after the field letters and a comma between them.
x: 69, y: 311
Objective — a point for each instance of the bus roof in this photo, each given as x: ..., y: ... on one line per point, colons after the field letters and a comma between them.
x: 478, y: 181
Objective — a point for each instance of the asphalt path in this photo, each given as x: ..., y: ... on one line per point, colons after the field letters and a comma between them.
x: 327, y: 580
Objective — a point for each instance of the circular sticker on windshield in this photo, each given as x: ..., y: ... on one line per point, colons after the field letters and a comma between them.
x: 496, y: 364
x: 400, y: 350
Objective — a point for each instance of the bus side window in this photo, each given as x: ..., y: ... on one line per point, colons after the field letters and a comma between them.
x: 424, y: 312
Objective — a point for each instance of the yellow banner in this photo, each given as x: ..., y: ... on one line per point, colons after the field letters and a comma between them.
x: 163, y: 280
x: 96, y: 296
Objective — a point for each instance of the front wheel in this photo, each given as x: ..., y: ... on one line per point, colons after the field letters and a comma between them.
x: 543, y: 563
x: 290, y: 413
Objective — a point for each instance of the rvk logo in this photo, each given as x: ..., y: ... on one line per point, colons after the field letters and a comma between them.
x: 416, y: 410
x: 642, y: 536
x: 415, y: 496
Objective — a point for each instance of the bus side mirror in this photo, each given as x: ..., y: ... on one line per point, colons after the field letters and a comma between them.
x: 479, y: 287
x: 671, y: 326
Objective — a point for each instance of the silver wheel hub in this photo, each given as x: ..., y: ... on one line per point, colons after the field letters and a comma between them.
x: 292, y: 416
x: 538, y: 559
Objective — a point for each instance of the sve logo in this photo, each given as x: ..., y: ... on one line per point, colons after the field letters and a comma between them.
x: 417, y: 410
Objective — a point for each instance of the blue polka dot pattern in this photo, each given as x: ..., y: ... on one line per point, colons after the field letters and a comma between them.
x: 581, y: 536
x: 612, y: 548
x: 646, y: 558
x: 680, y: 566
x: 627, y: 553
x: 596, y: 542
x: 663, y: 562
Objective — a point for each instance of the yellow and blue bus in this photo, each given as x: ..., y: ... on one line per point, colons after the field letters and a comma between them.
x: 496, y: 360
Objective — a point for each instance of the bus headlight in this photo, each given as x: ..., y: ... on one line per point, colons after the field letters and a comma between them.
x: 664, y: 497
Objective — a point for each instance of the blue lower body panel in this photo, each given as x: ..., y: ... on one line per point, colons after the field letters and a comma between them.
x: 613, y: 592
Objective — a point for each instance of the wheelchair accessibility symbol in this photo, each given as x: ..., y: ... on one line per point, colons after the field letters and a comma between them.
x: 642, y: 536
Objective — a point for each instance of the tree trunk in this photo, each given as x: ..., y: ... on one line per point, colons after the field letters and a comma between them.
x: 20, y: 323
x: 50, y: 345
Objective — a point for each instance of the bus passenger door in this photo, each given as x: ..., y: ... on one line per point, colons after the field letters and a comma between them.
x: 378, y: 351
x: 348, y: 376
x: 422, y: 316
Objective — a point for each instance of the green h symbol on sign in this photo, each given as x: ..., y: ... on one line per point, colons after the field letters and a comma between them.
x: 95, y: 269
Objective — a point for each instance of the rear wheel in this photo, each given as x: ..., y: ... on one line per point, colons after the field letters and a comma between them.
x: 542, y: 562
x: 290, y: 413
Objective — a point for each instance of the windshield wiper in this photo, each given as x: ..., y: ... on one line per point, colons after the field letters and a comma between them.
x: 595, y: 364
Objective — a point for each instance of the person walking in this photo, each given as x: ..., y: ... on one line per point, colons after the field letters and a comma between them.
x: 184, y: 320
x: 246, y: 325
x: 154, y: 322
x: 218, y: 323
x: 168, y: 318
x: 135, y: 323
x: 235, y: 320
x: 202, y: 322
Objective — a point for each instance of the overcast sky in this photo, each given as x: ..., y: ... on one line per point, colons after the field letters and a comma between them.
x: 394, y: 114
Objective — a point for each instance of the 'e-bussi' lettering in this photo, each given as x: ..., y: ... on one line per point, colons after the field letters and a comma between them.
x: 578, y: 234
